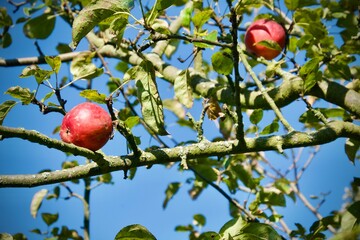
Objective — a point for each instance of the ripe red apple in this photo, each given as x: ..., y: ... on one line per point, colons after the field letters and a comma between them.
x: 86, y: 125
x: 264, y: 29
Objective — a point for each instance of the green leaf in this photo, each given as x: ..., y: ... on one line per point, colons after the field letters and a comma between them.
x: 40, y: 27
x: 244, y: 176
x: 94, y: 13
x: 23, y: 94
x: 271, y: 128
x: 132, y: 121
x: 34, y: 70
x: 148, y: 95
x: 182, y: 88
x: 54, y: 62
x: 222, y: 62
x: 258, y: 231
x: 105, y: 178
x: 37, y: 201
x: 209, y: 235
x: 271, y: 196
x: 82, y: 67
x: 292, y: 4
x: 6, y: 236
x: 158, y: 7
x: 310, y: 73
x: 93, y: 95
x: 5, y: 108
x: 310, y: 117
x: 256, y: 116
x: 201, y: 17
x: 134, y: 232
x: 232, y: 227
x: 351, y: 148
x: 269, y: 44
x: 5, y: 40
x: 170, y: 191
x: 5, y: 18
x: 118, y: 26
x: 175, y: 106
x: 212, y: 36
x: 49, y: 218
x: 199, y: 220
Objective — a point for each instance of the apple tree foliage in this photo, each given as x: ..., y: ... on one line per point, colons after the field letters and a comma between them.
x: 216, y: 74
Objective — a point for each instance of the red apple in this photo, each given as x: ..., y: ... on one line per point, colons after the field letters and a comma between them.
x: 264, y: 29
x: 86, y: 125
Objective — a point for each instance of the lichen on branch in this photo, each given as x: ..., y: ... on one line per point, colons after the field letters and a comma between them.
x: 105, y: 164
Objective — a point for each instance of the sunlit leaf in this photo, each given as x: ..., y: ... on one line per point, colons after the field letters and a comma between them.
x: 151, y: 104
x: 212, y: 36
x: 6, y: 236
x: 23, y: 94
x: 159, y: 6
x: 54, y: 62
x: 132, y: 121
x: 182, y: 88
x: 135, y: 231
x: 258, y: 231
x: 93, y: 95
x: 40, y: 27
x: 170, y: 191
x: 34, y: 70
x: 37, y: 201
x: 201, y: 17
x: 5, y: 108
x: 94, y: 13
x: 82, y: 67
x: 271, y: 196
x: 269, y: 44
x: 174, y: 106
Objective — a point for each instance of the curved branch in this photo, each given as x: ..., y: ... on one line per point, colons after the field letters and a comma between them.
x: 288, y: 91
x: 105, y: 164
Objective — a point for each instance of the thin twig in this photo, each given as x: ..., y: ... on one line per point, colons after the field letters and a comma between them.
x: 269, y: 100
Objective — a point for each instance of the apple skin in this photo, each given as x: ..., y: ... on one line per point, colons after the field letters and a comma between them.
x: 87, y: 125
x: 264, y: 29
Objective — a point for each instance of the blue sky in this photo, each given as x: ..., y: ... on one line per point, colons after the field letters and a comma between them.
x: 139, y: 200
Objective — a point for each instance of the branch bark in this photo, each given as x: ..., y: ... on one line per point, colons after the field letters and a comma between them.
x: 105, y: 164
x: 288, y: 91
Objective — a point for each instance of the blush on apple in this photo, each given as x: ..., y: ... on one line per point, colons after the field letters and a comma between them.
x: 87, y: 125
x: 264, y: 29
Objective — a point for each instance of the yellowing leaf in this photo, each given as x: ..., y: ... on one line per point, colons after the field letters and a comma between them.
x: 93, y: 95
x: 183, y: 91
x: 214, y: 110
x: 37, y: 201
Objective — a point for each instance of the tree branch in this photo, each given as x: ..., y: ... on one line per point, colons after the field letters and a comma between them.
x: 289, y: 90
x: 105, y: 164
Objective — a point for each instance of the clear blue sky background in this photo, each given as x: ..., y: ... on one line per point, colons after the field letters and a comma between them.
x: 139, y: 200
